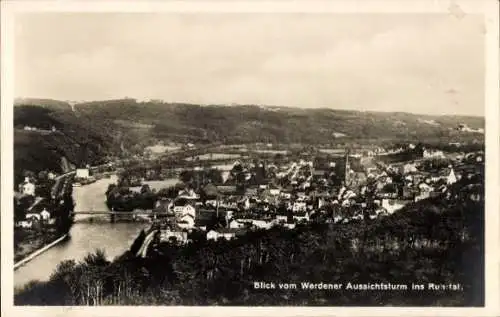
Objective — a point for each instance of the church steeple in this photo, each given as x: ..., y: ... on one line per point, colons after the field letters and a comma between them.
x: 347, y: 168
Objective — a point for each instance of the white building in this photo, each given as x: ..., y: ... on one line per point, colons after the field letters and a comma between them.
x: 82, y: 173
x: 188, y: 194
x: 28, y: 188
x: 180, y: 236
x: 304, y: 217
x: 227, y: 234
x: 235, y: 224
x: 281, y: 218
x: 181, y: 211
x: 431, y: 153
x: 262, y: 224
x: 26, y: 224
x: 299, y: 206
x: 186, y: 221
x: 392, y: 205
x: 452, y: 178
x: 45, y: 215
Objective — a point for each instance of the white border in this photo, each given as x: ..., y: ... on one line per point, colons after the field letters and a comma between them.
x: 488, y: 7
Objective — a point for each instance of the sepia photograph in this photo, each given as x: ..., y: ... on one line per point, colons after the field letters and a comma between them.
x: 249, y: 158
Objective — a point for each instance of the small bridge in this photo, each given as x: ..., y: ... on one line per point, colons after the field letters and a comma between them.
x: 119, y: 215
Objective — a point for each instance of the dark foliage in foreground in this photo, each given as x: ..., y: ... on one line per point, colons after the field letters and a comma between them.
x: 432, y: 241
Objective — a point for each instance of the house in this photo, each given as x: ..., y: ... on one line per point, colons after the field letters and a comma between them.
x: 183, y: 207
x: 337, y: 218
x: 33, y: 216
x: 235, y: 224
x: 281, y: 218
x: 424, y: 187
x: 211, y: 202
x: 433, y: 154
x: 45, y: 215
x: 262, y: 224
x: 25, y: 224
x: 408, y: 168
x: 174, y: 233
x: 286, y: 194
x: 301, y: 217
x: 305, y: 185
x: 188, y: 194
x: 186, y: 221
x: 251, y: 191
x: 358, y: 216
x: 422, y: 195
x: 227, y: 190
x: 224, y: 233
x: 408, y: 192
x: 163, y: 205
x: 381, y: 212
x: 299, y: 206
x: 392, y: 205
x: 274, y: 190
x: 246, y: 203
x: 28, y: 187
x: 301, y: 194
x: 82, y: 173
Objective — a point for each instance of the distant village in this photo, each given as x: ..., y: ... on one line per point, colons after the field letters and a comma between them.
x: 260, y: 194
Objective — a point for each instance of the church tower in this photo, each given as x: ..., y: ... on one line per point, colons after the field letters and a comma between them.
x: 347, y: 168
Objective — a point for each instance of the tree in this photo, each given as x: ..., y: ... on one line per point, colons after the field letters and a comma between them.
x: 215, y: 176
x: 237, y: 169
x: 43, y: 176
x: 145, y: 189
x: 186, y: 176
x: 19, y: 210
x: 29, y: 174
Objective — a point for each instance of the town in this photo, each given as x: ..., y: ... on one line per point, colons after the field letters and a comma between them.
x: 260, y: 193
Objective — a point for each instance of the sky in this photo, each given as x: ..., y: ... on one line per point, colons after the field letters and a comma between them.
x: 421, y: 63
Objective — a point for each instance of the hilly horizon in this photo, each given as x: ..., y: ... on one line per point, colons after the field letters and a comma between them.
x: 18, y: 101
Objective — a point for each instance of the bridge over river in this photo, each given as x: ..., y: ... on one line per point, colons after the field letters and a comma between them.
x: 85, y: 237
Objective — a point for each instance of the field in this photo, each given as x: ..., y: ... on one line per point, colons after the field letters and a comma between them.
x: 215, y: 156
x: 157, y: 185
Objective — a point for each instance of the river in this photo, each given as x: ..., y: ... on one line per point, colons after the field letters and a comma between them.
x: 85, y: 237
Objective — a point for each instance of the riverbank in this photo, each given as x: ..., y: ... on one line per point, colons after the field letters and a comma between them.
x: 84, y: 238
x: 32, y: 247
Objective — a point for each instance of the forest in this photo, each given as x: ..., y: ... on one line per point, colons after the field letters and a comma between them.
x: 438, y: 240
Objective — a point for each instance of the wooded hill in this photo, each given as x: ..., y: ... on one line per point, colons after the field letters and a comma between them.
x: 86, y: 132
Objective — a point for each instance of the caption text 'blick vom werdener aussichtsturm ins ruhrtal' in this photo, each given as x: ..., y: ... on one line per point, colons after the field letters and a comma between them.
x: 358, y: 286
